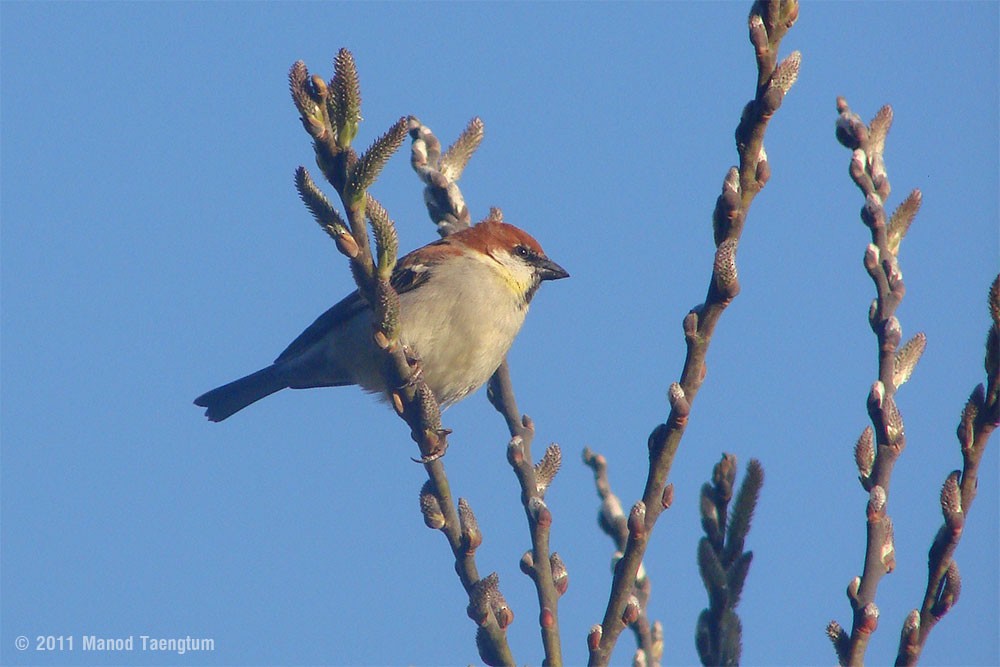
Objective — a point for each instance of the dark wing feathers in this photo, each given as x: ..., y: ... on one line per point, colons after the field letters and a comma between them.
x: 346, y: 308
x: 407, y: 276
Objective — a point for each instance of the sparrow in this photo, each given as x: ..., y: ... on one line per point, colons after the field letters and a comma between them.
x: 462, y: 301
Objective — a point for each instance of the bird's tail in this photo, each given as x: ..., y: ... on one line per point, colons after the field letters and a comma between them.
x: 233, y: 397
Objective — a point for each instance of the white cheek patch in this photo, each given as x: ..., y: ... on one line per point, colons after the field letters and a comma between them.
x: 516, y: 273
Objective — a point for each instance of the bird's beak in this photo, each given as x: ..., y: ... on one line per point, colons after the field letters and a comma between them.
x: 549, y: 270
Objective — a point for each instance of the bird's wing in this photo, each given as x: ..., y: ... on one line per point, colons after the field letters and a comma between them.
x: 407, y: 276
x: 342, y: 311
x: 414, y: 269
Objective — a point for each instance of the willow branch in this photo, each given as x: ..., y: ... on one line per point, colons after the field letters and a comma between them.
x: 768, y: 23
x: 612, y: 520
x: 330, y: 113
x: 446, y: 207
x: 881, y: 444
x: 979, y: 419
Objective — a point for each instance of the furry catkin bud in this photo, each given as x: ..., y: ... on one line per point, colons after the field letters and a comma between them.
x: 782, y: 79
x: 732, y: 181
x: 864, y: 455
x: 471, y: 537
x: 951, y: 588
x: 967, y: 424
x: 893, y: 421
x: 901, y: 219
x: 876, y: 503
x: 478, y: 608
x: 906, y: 359
x: 888, y: 552
x: 725, y: 272
x: 547, y: 467
x: 949, y: 593
x: 869, y: 619
x: 841, y: 641
x: 951, y: 502
x: 430, y: 507
x: 879, y: 128
x: 560, y: 575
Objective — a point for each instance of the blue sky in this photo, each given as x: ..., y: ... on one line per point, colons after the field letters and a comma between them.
x: 153, y: 247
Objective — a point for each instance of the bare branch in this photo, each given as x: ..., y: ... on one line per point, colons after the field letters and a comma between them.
x: 978, y: 420
x: 331, y: 114
x: 768, y: 23
x: 880, y: 446
x: 447, y: 210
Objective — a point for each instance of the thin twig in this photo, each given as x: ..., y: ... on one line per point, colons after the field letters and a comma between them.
x: 979, y: 419
x: 768, y: 23
x: 612, y: 520
x: 446, y: 207
x: 330, y: 113
x: 880, y: 445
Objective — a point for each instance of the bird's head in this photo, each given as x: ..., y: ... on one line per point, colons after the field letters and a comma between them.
x: 513, y: 253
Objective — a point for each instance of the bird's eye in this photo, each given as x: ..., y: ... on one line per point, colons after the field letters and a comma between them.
x: 522, y: 251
